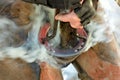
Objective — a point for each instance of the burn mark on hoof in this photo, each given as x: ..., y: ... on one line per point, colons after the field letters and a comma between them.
x: 69, y: 37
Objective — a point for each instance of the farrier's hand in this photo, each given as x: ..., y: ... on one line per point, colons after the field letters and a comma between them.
x: 80, y: 16
x: 86, y: 12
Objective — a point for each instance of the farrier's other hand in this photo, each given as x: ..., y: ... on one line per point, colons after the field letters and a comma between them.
x: 86, y: 12
x: 71, y: 17
x: 80, y: 15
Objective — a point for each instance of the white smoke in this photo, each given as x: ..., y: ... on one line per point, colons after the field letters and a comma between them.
x: 105, y: 24
x: 31, y: 50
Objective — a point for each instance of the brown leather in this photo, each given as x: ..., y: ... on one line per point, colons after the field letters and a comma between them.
x: 59, y: 4
x: 16, y: 69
